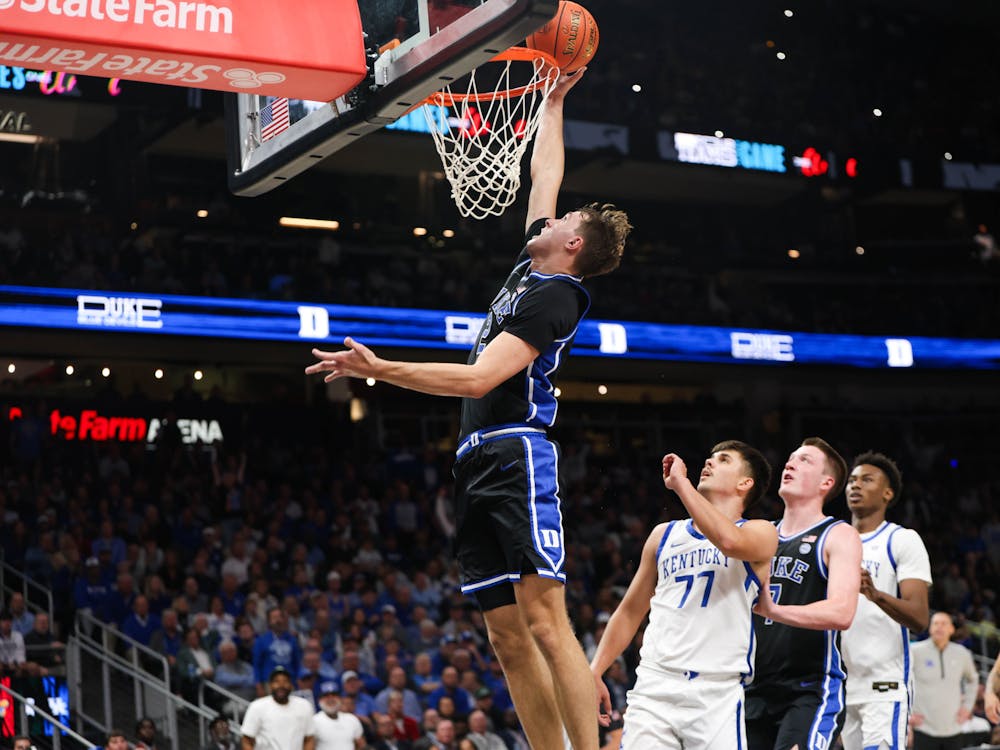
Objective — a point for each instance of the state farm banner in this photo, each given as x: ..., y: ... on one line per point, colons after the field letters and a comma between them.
x: 307, y: 49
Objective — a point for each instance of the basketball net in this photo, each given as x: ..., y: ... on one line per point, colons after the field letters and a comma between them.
x: 481, y: 134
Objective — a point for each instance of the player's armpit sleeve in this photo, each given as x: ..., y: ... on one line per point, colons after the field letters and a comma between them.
x: 546, y: 313
x: 910, y: 554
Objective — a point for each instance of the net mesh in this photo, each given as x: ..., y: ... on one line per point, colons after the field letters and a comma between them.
x: 481, y: 133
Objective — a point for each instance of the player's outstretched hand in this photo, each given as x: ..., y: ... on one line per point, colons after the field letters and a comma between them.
x: 674, y: 471
x: 357, y: 361
x: 565, y: 83
x: 603, y: 702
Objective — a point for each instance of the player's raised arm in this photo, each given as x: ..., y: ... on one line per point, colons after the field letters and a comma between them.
x: 836, y: 611
x: 753, y: 541
x: 548, y: 159
x: 504, y: 356
x: 626, y: 619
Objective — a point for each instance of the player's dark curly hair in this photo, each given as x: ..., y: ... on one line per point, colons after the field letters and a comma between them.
x: 757, y: 466
x: 835, y: 465
x: 604, y: 230
x: 887, y: 466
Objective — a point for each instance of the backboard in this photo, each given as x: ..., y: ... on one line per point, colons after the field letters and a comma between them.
x: 438, y: 42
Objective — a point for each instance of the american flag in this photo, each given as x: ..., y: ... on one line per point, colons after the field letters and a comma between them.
x: 274, y: 119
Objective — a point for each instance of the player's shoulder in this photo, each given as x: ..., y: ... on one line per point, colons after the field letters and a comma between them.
x: 842, y: 535
x: 657, y: 536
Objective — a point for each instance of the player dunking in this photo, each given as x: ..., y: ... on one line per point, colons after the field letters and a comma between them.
x: 698, y: 579
x: 895, y: 577
x: 796, y: 701
x: 509, y: 522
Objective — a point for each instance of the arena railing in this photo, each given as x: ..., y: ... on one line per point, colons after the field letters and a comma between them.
x: 25, y: 707
x: 151, y: 694
x: 29, y: 586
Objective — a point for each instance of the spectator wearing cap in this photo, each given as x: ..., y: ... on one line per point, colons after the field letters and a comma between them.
x: 425, y: 678
x: 446, y: 649
x: 351, y: 686
x: 220, y: 736
x: 485, y: 703
x: 275, y: 648
x: 335, y: 728
x: 279, y: 719
x: 450, y: 687
x: 12, y: 653
x: 22, y: 619
x: 234, y: 674
x: 397, y: 683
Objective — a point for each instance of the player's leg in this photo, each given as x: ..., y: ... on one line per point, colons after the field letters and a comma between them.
x: 882, y: 726
x: 646, y: 727
x: 542, y: 602
x: 851, y: 736
x: 527, y: 672
x: 812, y: 722
x: 761, y: 724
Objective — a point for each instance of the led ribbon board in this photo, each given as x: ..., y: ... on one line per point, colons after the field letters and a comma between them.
x: 109, y: 312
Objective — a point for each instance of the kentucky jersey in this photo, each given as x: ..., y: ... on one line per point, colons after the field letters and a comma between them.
x: 544, y: 310
x: 700, y: 614
x: 796, y: 657
x: 876, y: 647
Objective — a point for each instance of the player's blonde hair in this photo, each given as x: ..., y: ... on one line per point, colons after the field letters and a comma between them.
x: 604, y: 229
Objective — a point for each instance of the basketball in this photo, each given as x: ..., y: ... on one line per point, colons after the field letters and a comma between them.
x: 571, y: 37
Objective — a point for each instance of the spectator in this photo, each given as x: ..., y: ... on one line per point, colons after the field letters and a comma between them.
x: 353, y: 688
x: 12, y: 654
x: 90, y: 592
x: 194, y: 664
x: 145, y: 733
x: 108, y: 542
x: 279, y: 720
x: 22, y: 742
x: 450, y: 687
x: 121, y: 598
x: 221, y: 621
x: 442, y: 739
x: 424, y: 677
x: 335, y: 728
x: 196, y: 601
x: 206, y: 636
x: 140, y: 624
x: 220, y: 737
x: 245, y: 640
x: 404, y: 727
x: 313, y: 664
x: 480, y: 734
x: 275, y: 648
x: 486, y: 704
x: 386, y: 736
x: 44, y: 653
x: 168, y: 638
x: 945, y: 683
x: 234, y: 674
x: 116, y: 740
x: 22, y: 618
x: 397, y: 683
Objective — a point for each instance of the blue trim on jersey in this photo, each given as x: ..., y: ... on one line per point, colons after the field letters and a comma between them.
x: 692, y: 530
x: 888, y: 547
x: 885, y: 525
x: 751, y: 577
x: 895, y: 727
x: 542, y: 459
x: 739, y: 725
x: 487, y: 583
x: 747, y: 677
x: 825, y: 723
x: 663, y: 541
x: 906, y: 661
x: 819, y: 548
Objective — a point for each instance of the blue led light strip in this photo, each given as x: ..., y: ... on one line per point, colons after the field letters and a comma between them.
x: 109, y: 312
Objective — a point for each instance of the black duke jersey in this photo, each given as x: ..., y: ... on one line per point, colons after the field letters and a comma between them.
x: 544, y: 310
x: 791, y: 656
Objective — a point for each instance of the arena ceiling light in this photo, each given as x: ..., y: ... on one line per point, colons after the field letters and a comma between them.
x: 300, y: 223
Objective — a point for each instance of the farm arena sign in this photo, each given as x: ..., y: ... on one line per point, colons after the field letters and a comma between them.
x: 316, y: 52
x: 89, y: 425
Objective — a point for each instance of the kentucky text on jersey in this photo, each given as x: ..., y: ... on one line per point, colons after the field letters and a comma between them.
x: 697, y: 558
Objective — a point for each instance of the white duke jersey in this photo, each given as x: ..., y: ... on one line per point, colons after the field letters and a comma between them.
x: 700, y: 614
x: 876, y: 647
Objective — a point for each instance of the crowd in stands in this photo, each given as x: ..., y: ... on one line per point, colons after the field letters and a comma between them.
x: 313, y: 549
